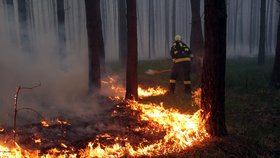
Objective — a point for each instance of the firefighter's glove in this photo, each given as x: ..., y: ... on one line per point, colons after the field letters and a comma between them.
x: 191, y: 57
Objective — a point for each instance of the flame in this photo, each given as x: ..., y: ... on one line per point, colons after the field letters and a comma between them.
x: 38, y: 140
x: 120, y: 91
x: 196, y: 97
x: 151, y: 91
x: 63, y: 145
x: 2, y: 129
x: 18, y: 152
x: 45, y: 124
x: 62, y: 122
x: 180, y: 132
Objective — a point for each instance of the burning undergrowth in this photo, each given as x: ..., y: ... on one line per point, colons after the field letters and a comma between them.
x: 127, y: 129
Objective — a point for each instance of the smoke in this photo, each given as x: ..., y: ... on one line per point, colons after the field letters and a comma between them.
x: 64, y: 80
x: 63, y: 83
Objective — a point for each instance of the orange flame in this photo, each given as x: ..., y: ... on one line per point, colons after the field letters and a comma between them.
x: 196, y: 96
x: 142, y: 92
x: 181, y: 131
x: 38, y: 140
x: 151, y: 91
x: 62, y: 122
x: 63, y: 145
x: 45, y: 123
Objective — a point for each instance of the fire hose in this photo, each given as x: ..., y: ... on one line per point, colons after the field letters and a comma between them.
x: 156, y: 72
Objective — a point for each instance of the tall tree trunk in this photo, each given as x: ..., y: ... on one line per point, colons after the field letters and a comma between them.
x: 275, y: 77
x: 167, y: 21
x: 23, y: 23
x: 95, y: 42
x: 11, y: 23
x: 132, y: 54
x: 196, y: 42
x: 102, y: 49
x: 151, y: 29
x: 251, y: 43
x: 261, y: 55
x: 122, y: 32
x: 235, y: 26
x: 61, y: 27
x: 174, y: 18
x: 241, y: 34
x: 213, y: 76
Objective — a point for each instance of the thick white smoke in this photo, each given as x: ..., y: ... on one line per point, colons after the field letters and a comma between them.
x: 64, y: 81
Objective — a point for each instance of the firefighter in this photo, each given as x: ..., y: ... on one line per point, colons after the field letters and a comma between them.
x: 181, y: 56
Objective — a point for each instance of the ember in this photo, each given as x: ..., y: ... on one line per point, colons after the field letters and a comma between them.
x: 45, y: 124
x: 140, y: 130
x: 62, y: 122
x: 37, y: 140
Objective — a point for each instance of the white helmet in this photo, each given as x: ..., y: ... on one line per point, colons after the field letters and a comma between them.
x: 178, y: 38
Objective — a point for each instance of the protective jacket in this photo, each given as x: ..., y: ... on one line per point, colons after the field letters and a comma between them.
x: 180, y: 52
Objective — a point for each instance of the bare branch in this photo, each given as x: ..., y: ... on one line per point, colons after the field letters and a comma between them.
x: 16, y: 107
x: 37, y: 85
x: 30, y: 109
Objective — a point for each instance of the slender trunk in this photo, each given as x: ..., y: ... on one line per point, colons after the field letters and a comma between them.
x: 132, y: 54
x: 61, y: 27
x: 122, y: 32
x: 235, y: 27
x: 275, y: 77
x: 11, y: 23
x: 23, y: 23
x: 167, y: 44
x: 261, y: 55
x: 213, y: 77
x: 174, y: 18
x: 196, y: 42
x: 251, y: 46
x: 151, y: 29
x: 95, y: 42
x: 241, y: 40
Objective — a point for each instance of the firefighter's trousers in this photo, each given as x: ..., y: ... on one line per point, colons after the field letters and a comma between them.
x: 179, y: 68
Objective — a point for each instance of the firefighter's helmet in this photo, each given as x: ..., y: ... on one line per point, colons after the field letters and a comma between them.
x: 178, y: 38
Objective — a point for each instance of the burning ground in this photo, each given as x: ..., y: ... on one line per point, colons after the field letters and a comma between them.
x: 124, y: 129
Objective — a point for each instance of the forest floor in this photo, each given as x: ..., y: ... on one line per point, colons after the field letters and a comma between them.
x: 252, y: 113
x: 252, y: 109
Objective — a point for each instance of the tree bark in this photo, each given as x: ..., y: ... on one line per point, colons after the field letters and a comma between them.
x: 11, y: 23
x: 23, y: 22
x: 132, y: 54
x: 235, y: 27
x: 95, y: 43
x: 174, y: 18
x: 122, y: 32
x: 151, y: 30
x: 61, y: 27
x: 261, y: 55
x: 251, y: 29
x: 275, y: 77
x: 196, y: 42
x: 167, y: 21
x: 213, y: 76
